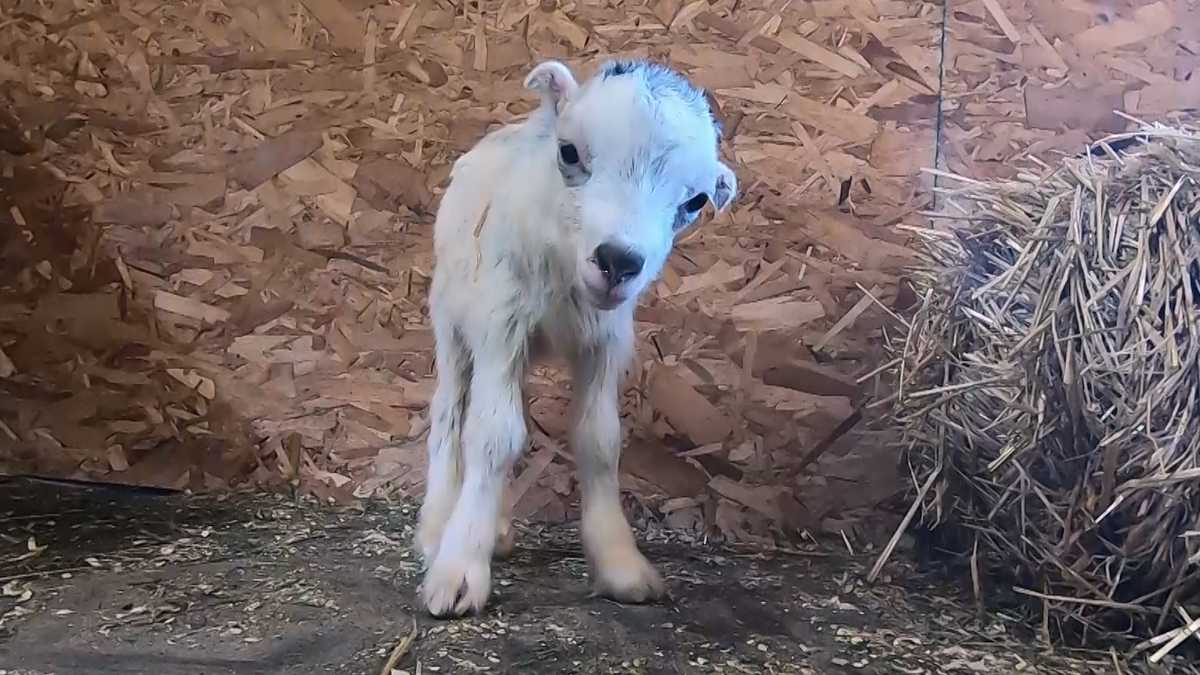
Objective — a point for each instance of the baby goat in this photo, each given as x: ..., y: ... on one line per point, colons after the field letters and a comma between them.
x: 547, y: 234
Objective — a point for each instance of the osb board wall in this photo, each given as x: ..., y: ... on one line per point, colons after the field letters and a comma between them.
x: 1027, y: 82
x: 216, y: 244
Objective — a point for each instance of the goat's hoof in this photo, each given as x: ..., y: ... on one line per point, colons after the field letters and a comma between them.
x: 428, y: 540
x: 504, y: 543
x: 454, y: 588
x: 629, y: 578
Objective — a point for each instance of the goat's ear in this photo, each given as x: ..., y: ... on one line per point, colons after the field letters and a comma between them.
x: 552, y: 81
x: 725, y: 187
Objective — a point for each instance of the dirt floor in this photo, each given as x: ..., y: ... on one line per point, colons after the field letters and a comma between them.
x: 113, y: 580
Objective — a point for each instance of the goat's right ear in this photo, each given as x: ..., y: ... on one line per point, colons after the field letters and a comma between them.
x: 552, y: 81
x: 725, y: 188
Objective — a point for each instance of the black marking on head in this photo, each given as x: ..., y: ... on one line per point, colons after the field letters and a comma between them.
x: 620, y: 67
x: 662, y: 81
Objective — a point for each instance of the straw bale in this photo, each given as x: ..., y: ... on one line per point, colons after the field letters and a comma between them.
x: 1048, y: 383
x: 215, y: 242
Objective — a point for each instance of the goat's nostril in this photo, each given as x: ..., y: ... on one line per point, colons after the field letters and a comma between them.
x: 617, y: 264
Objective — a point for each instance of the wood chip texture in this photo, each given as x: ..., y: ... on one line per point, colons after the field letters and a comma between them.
x: 1031, y: 82
x: 215, y: 234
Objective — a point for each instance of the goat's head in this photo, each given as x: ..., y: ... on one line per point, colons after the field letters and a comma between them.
x: 637, y: 154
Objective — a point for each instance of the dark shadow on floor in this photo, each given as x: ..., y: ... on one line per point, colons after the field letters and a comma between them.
x: 114, y: 580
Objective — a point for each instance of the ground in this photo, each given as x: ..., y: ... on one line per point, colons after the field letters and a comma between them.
x: 113, y: 580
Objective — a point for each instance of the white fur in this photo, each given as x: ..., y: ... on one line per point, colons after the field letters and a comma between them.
x: 514, y: 240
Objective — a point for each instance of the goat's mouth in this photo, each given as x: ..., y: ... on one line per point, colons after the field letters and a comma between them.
x: 607, y: 299
x: 600, y: 290
x: 610, y: 302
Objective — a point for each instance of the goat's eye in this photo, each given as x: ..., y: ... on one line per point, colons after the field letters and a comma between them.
x: 569, y: 154
x: 695, y: 203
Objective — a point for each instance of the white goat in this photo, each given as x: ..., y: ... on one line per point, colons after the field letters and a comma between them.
x: 547, y: 234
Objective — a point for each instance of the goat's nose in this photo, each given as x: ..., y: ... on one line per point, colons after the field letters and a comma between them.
x: 617, y: 263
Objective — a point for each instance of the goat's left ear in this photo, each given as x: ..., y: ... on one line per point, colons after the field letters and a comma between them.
x: 725, y: 188
x: 553, y: 81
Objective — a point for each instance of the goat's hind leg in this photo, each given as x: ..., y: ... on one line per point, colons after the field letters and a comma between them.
x: 619, y: 570
x: 538, y: 348
x: 446, y: 413
x: 506, y: 536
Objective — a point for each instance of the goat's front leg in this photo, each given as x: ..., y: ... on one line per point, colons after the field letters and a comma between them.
x: 619, y: 570
x: 459, y: 579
